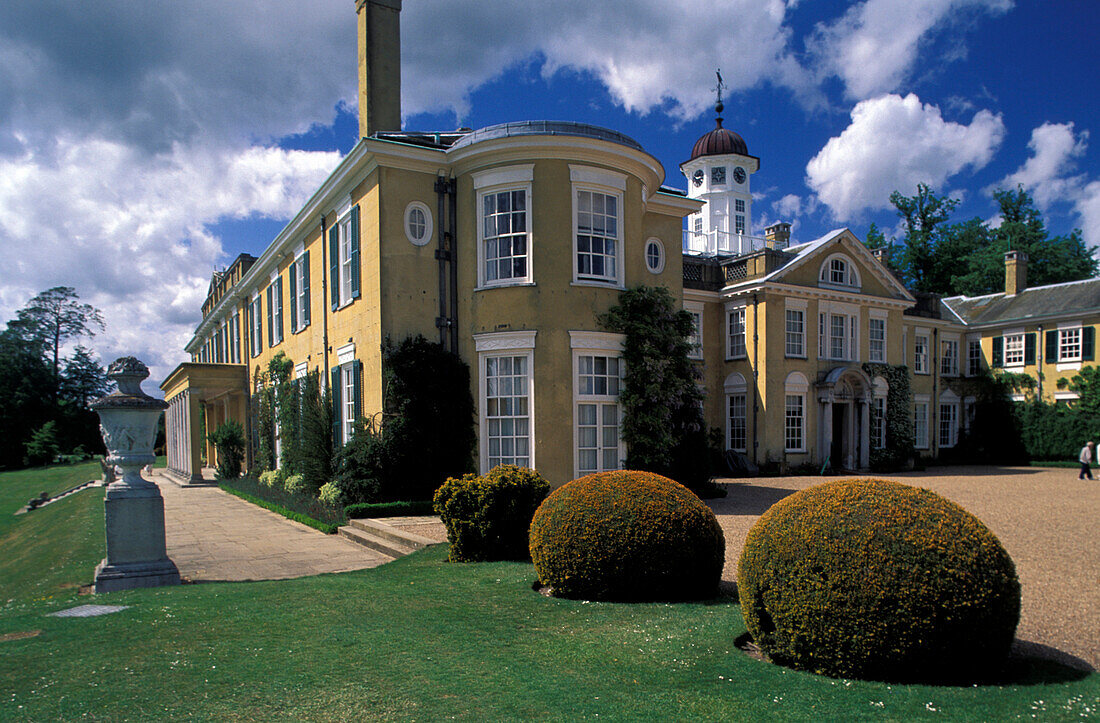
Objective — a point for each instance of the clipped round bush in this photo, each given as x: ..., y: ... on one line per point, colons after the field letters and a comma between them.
x: 627, y: 535
x: 487, y: 516
x: 877, y: 580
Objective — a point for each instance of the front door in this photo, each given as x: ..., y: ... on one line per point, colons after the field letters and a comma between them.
x: 840, y: 436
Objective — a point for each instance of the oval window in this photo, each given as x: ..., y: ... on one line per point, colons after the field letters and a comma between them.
x: 654, y: 256
x: 418, y: 223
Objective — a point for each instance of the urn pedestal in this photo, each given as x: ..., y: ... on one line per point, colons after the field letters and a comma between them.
x: 133, y: 508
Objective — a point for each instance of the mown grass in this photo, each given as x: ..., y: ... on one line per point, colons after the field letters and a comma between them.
x: 421, y: 638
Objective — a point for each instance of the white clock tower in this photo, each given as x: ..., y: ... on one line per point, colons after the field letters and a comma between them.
x: 718, y: 174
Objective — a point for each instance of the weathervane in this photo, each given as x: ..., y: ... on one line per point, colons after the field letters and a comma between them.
x: 718, y: 106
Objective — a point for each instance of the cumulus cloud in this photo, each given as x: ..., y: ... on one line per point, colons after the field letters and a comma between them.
x: 1087, y: 206
x: 894, y: 143
x: 128, y: 232
x: 874, y: 46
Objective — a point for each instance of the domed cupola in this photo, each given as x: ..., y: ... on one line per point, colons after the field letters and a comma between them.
x: 719, y: 142
x: 718, y: 174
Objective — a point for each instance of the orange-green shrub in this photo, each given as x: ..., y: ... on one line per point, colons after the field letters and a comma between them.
x: 627, y: 536
x: 874, y: 579
x: 487, y: 517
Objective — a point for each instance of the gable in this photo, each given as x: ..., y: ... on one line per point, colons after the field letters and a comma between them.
x: 839, y: 262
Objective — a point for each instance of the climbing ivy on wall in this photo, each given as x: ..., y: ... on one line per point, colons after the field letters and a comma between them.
x: 899, y: 422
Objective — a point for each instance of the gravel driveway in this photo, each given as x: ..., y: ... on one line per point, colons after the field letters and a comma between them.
x: 1046, y: 518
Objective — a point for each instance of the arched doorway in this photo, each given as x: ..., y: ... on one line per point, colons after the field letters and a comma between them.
x: 844, y: 400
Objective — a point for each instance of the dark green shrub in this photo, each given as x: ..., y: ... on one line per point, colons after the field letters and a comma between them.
x: 293, y: 505
x: 360, y: 464
x: 42, y: 448
x: 874, y: 579
x: 627, y: 536
x: 228, y: 440
x: 488, y: 517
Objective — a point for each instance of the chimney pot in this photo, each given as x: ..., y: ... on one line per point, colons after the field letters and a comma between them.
x: 1015, y: 272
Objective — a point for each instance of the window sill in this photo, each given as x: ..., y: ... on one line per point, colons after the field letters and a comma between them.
x: 299, y: 331
x: 795, y: 451
x: 1068, y: 366
x: 795, y: 356
x: 508, y: 285
x: 743, y: 357
x: 598, y: 283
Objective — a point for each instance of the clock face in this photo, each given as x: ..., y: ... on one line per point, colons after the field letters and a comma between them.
x: 718, y: 175
x: 739, y: 174
x: 697, y: 177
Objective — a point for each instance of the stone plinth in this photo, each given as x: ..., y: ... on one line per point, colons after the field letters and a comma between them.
x: 133, y: 508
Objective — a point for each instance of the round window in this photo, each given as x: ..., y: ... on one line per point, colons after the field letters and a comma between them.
x: 418, y: 223
x: 654, y: 256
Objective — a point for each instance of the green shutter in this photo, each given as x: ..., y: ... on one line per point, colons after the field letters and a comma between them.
x: 1088, y: 342
x: 293, y: 297
x: 1050, y: 356
x: 998, y: 352
x: 1029, y: 349
x: 355, y: 252
x: 337, y: 411
x: 270, y: 315
x: 304, y: 321
x: 279, y: 308
x: 334, y: 266
x: 357, y: 381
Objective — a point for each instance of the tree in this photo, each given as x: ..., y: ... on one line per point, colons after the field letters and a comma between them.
x: 924, y: 215
x: 53, y: 317
x: 83, y: 379
x: 24, y: 387
x: 42, y: 446
x: 662, y: 423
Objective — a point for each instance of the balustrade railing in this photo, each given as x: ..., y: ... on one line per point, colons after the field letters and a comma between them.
x: 713, y: 243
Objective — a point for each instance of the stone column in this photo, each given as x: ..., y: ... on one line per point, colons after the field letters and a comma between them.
x: 133, y: 509
x: 865, y: 433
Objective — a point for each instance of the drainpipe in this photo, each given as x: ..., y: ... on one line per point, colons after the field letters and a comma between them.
x: 453, y: 234
x: 324, y: 309
x: 441, y: 255
x: 755, y: 379
x: 1039, y: 347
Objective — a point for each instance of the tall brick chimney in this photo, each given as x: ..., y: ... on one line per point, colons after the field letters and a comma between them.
x: 379, y: 26
x: 1015, y: 272
x: 778, y: 235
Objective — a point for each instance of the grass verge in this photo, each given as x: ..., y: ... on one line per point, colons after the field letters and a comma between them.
x: 327, y: 528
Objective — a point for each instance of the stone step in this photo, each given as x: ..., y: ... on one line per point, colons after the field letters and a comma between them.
x: 379, y: 528
x: 378, y: 544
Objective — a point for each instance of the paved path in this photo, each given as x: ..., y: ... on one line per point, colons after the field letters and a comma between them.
x: 213, y: 535
x: 1047, y: 520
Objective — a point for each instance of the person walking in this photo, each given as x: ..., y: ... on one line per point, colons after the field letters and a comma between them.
x: 1086, y: 459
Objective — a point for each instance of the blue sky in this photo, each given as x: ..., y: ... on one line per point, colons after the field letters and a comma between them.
x: 144, y: 144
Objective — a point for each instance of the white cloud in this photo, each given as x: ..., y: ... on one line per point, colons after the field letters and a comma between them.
x: 128, y: 231
x: 894, y: 143
x: 874, y: 46
x: 789, y: 206
x: 1049, y: 175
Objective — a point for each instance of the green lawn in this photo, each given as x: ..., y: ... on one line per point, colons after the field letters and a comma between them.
x: 421, y: 638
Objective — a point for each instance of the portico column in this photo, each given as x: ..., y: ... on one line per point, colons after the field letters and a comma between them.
x: 864, y: 434
x: 196, y: 442
x: 826, y: 430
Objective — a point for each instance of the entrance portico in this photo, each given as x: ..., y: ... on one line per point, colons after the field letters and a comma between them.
x: 200, y: 397
x: 844, y: 397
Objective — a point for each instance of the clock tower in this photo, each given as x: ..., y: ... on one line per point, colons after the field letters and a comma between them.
x: 718, y: 174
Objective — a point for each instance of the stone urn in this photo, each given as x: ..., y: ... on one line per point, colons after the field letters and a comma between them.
x: 133, y: 507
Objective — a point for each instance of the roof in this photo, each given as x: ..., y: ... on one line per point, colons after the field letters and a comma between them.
x: 1034, y: 303
x: 719, y: 142
x: 546, y: 128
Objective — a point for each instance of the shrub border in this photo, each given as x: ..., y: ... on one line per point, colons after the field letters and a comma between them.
x: 411, y: 508
x: 279, y: 509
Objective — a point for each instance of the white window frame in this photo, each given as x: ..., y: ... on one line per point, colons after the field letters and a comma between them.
x: 696, y: 338
x: 1066, y: 344
x: 736, y: 389
x: 794, y: 342
x: 876, y: 347
x: 587, y: 179
x: 920, y: 353
x: 973, y: 357
x: 740, y: 349
x: 256, y: 332
x: 606, y: 345
x: 795, y: 390
x: 838, y: 272
x: 426, y: 225
x: 235, y: 338
x: 1018, y: 345
x: 495, y: 181
x: 347, y: 401
x: 275, y: 299
x: 949, y: 357
x: 301, y: 300
x: 920, y: 424
x: 343, y: 246
x: 947, y: 432
x: 830, y: 346
x: 504, y: 344
x: 659, y: 265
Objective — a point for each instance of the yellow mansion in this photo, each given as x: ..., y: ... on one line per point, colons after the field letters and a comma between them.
x: 506, y: 243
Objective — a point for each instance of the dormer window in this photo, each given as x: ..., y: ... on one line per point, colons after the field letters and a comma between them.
x: 838, y: 271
